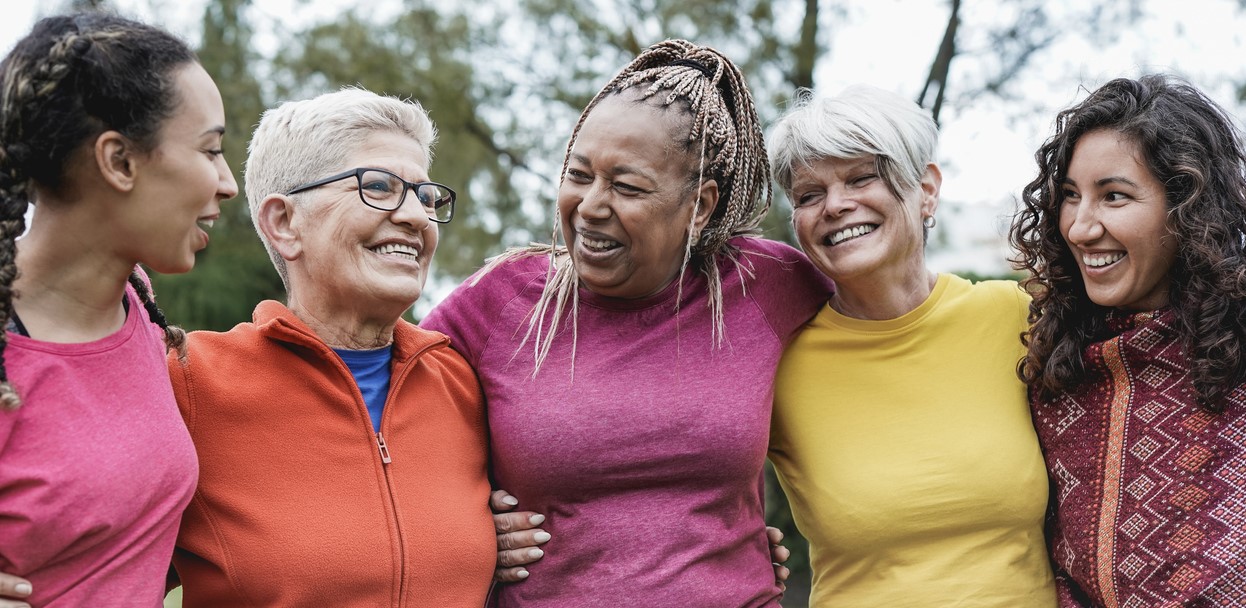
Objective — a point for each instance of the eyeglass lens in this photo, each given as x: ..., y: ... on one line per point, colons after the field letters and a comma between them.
x: 386, y: 191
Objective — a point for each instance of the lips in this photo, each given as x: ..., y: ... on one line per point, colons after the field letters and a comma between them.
x: 400, y: 250
x: 596, y: 242
x: 1100, y: 260
x: 849, y: 233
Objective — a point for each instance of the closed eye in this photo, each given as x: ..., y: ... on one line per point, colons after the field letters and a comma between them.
x: 627, y: 188
x: 864, y: 180
x: 807, y: 199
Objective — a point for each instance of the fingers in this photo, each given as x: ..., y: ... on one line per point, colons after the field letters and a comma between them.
x: 774, y: 534
x: 12, y: 589
x: 510, y: 575
x: 515, y: 522
x: 518, y: 540
x: 779, y: 554
x: 781, y: 573
x: 501, y: 500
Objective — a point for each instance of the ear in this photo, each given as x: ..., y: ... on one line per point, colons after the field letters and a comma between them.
x: 116, y: 158
x: 932, y: 180
x: 707, y: 201
x: 277, y: 219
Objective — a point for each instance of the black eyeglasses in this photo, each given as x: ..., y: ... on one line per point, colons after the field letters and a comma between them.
x: 383, y: 190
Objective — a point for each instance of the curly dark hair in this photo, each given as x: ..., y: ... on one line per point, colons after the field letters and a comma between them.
x: 70, y: 79
x: 1192, y: 147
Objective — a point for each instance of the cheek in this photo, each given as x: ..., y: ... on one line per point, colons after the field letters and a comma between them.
x: 432, y: 238
x: 805, y: 226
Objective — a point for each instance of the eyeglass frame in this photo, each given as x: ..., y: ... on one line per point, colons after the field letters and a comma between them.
x: 358, y: 172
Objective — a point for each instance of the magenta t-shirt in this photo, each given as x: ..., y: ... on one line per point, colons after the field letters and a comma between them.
x: 647, y: 461
x: 96, y: 467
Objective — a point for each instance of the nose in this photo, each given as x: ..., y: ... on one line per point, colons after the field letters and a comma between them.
x: 595, y: 201
x: 837, y: 202
x: 227, y: 186
x: 1083, y: 223
x: 411, y: 213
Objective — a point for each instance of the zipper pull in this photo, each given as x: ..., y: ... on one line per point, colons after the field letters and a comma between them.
x: 384, y: 449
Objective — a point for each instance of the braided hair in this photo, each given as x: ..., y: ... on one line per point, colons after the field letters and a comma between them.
x: 72, y: 78
x: 726, y: 134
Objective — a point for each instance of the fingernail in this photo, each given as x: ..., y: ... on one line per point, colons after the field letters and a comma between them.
x: 541, y: 536
x: 536, y: 519
x: 510, y: 500
x: 535, y: 553
x: 22, y: 588
x: 522, y: 574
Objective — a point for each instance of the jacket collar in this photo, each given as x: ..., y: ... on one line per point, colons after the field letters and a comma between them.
x: 275, y: 321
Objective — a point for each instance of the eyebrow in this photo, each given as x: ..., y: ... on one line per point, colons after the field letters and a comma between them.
x: 219, y: 130
x: 617, y: 169
x: 1105, y: 181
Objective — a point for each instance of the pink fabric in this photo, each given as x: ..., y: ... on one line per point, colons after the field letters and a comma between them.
x: 646, y: 460
x: 1150, y: 488
x: 95, y: 468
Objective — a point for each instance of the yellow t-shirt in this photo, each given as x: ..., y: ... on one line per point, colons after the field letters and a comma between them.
x: 907, y: 452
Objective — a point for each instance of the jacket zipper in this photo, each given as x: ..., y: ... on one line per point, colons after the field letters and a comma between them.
x: 382, y: 447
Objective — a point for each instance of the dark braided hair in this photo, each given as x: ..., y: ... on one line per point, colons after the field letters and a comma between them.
x: 1193, y: 148
x: 68, y: 81
x: 724, y: 131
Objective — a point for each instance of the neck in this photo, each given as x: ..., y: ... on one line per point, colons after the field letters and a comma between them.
x: 348, y: 329
x: 877, y: 297
x: 71, y: 278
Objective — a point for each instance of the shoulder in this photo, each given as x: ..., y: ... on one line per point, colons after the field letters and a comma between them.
x: 997, y: 298
x: 765, y: 249
x: 490, y: 290
x: 212, y: 349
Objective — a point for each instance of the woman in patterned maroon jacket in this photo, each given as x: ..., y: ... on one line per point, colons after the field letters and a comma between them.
x: 1134, y: 234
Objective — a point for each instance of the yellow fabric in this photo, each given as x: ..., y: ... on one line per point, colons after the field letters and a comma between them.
x: 908, y: 455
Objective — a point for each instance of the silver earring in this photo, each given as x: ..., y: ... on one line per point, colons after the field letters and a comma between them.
x: 929, y: 222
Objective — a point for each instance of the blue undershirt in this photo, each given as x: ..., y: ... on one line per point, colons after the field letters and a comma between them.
x: 371, y: 371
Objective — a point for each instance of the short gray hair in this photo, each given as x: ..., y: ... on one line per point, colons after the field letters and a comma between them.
x: 301, y: 141
x: 861, y: 121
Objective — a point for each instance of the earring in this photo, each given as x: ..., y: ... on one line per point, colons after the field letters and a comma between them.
x: 929, y: 222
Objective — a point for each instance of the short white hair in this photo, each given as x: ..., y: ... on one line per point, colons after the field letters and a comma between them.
x: 302, y: 141
x: 861, y: 121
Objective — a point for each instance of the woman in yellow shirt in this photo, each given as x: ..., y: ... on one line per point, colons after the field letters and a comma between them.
x: 901, y: 432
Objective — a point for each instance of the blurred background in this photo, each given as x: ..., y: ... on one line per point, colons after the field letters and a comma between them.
x: 505, y: 80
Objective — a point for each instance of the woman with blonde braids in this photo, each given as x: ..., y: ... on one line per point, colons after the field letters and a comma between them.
x: 628, y: 374
x: 113, y: 130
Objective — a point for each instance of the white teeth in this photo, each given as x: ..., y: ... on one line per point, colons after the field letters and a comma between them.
x: 598, y: 245
x: 851, y: 233
x: 397, y: 248
x: 206, y: 223
x: 1097, y: 260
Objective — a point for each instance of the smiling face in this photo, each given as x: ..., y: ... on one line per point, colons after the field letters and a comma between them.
x: 1114, y: 219
x: 851, y: 225
x: 627, y: 201
x: 352, y: 256
x: 181, y: 182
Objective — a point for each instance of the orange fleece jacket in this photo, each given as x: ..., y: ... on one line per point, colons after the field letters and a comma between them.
x: 297, y: 503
